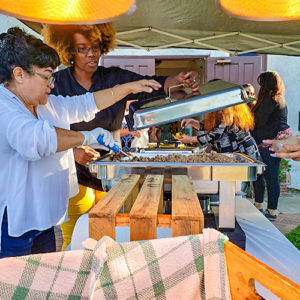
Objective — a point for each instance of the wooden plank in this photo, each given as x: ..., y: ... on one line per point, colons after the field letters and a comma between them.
x: 243, y: 270
x: 102, y: 215
x: 164, y: 221
x: 143, y: 215
x: 123, y: 220
x: 187, y: 215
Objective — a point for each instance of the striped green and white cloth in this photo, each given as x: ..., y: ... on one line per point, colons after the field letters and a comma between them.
x: 187, y: 267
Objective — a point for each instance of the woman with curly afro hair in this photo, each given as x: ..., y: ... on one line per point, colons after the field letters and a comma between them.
x: 80, y: 48
x: 60, y: 37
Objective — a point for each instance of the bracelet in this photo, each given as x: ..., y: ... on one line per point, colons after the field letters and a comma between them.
x: 113, y: 95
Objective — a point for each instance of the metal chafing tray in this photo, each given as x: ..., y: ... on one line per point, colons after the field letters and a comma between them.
x: 245, y: 169
x: 212, y: 96
x: 227, y: 174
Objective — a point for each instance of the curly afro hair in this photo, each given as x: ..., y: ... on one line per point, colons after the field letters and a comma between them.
x: 60, y: 37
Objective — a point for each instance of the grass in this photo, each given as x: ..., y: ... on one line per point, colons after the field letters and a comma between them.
x: 294, y: 237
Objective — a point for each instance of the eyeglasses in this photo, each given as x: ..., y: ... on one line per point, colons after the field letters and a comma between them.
x: 86, y: 50
x: 50, y: 78
x: 249, y: 93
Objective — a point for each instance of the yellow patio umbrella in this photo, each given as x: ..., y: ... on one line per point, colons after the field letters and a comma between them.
x: 67, y: 11
x: 262, y: 10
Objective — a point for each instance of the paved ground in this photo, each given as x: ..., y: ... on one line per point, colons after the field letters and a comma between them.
x: 287, y: 220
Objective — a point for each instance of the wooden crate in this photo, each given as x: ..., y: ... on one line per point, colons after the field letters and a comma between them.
x: 143, y: 208
x: 243, y: 270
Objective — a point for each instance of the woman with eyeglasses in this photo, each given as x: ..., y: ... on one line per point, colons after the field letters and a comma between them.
x: 80, y: 48
x: 270, y: 113
x: 37, y: 165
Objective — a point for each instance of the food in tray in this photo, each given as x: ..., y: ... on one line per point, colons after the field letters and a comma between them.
x: 151, y: 145
x: 193, y: 158
x: 179, y: 135
x: 167, y: 145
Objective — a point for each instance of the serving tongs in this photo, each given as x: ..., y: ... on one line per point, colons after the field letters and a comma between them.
x: 114, y: 148
x: 182, y: 130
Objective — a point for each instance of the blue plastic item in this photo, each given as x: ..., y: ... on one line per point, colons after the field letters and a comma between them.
x: 101, y: 142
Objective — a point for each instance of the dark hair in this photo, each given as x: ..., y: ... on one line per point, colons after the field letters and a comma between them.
x: 19, y: 49
x: 247, y: 85
x: 272, y: 85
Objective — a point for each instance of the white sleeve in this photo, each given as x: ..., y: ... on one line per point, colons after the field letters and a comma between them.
x: 75, y: 108
x: 31, y: 138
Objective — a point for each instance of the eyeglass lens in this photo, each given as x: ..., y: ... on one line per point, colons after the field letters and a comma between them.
x: 85, y: 50
x: 51, y: 80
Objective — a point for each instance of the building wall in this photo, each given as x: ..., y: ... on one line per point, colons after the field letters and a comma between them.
x: 289, y: 69
x: 7, y: 22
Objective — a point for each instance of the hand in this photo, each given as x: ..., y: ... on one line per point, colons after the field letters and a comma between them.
x: 186, y: 139
x: 144, y: 85
x: 85, y: 154
x: 136, y: 133
x: 292, y: 151
x: 90, y: 138
x: 193, y: 122
x: 282, y: 136
x: 190, y: 80
x: 289, y: 151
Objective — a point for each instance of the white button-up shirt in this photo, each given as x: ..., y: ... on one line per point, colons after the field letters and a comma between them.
x: 35, y: 180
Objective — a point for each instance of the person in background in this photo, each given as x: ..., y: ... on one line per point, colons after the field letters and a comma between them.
x: 250, y: 91
x: 38, y: 170
x: 80, y: 48
x: 270, y: 113
x: 226, y: 130
x: 130, y: 139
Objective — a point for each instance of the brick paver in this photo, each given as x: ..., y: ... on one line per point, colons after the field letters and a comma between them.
x: 287, y: 222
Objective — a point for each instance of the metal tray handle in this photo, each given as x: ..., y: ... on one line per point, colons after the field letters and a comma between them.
x: 169, y: 91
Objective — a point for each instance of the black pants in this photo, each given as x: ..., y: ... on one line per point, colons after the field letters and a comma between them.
x: 270, y: 177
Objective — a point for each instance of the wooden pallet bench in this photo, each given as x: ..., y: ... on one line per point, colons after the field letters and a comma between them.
x: 143, y: 208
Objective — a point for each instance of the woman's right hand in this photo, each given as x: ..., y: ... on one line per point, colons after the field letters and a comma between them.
x: 143, y: 85
x: 193, y: 122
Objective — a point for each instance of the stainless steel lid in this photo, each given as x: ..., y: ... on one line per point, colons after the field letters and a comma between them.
x: 212, y: 96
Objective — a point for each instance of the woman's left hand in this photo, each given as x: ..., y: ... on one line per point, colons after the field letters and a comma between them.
x: 190, y: 80
x: 144, y: 85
